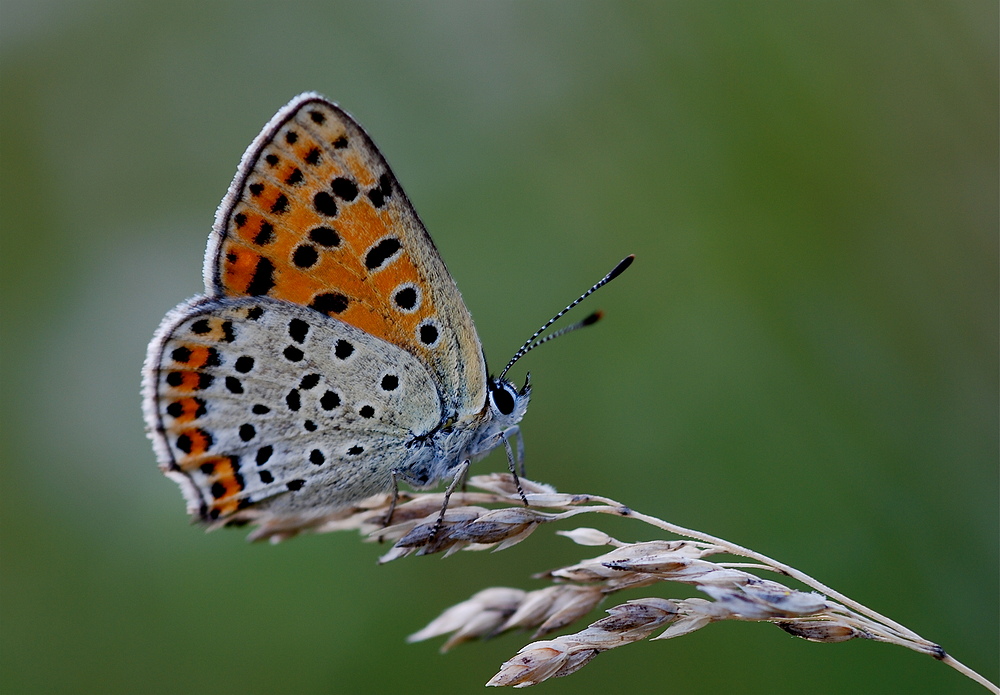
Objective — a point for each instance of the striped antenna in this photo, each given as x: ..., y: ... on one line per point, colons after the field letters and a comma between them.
x: 531, y: 344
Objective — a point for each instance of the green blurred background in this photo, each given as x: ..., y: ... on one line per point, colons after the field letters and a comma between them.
x: 803, y: 358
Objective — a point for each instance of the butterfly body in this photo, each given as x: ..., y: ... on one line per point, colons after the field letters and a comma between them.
x: 331, y: 354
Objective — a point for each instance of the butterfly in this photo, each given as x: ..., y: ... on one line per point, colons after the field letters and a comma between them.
x: 331, y: 356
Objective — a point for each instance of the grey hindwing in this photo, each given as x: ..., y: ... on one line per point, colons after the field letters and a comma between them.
x: 301, y: 403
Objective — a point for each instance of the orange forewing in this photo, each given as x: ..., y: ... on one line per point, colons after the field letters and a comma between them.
x: 316, y: 217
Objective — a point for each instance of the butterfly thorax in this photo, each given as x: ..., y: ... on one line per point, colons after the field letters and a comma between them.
x: 436, y: 454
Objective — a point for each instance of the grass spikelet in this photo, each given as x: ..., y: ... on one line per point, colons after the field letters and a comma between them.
x: 493, y: 517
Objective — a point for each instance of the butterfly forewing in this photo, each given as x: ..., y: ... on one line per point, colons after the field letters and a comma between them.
x: 265, y: 403
x: 316, y: 217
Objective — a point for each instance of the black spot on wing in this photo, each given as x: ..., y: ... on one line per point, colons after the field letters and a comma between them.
x: 262, y: 281
x: 329, y: 303
x: 244, y: 364
x: 280, y: 204
x: 305, y: 256
x: 382, y: 251
x: 325, y: 236
x: 298, y: 329
x: 265, y: 235
x: 330, y: 400
x: 344, y: 188
x: 324, y: 204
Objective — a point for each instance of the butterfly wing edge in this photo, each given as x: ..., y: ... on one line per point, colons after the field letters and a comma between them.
x: 212, y: 267
x: 155, y: 430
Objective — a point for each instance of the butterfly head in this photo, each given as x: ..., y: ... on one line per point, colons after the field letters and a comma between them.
x: 506, y: 404
x: 504, y: 408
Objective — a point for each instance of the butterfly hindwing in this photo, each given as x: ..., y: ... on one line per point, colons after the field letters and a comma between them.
x: 260, y: 402
x: 316, y: 217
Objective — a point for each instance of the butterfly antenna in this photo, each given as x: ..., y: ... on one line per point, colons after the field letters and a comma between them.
x: 589, y: 321
x: 531, y: 344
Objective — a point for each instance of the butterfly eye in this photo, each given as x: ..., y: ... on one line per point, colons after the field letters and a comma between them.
x: 503, y: 400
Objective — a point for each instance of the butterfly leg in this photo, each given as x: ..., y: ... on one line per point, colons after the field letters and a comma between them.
x: 512, y: 466
x: 459, y: 479
x: 387, y: 519
x: 516, y: 431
